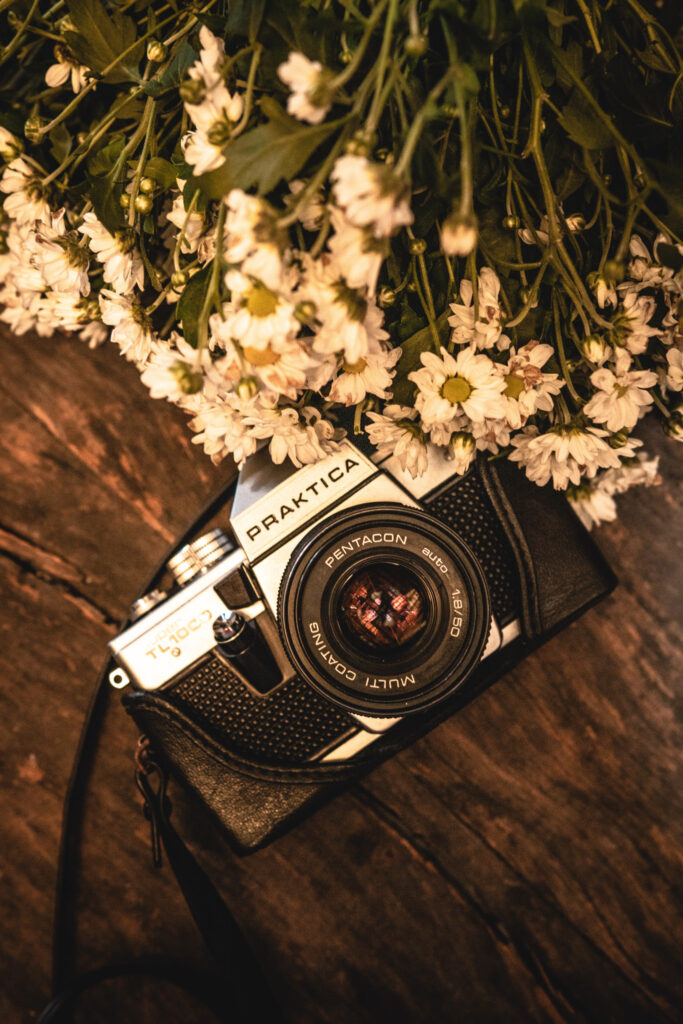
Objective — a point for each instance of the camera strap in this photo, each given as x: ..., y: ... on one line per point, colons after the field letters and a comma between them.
x: 238, y: 991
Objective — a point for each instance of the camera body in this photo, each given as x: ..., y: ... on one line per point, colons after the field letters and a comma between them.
x: 351, y: 609
x: 334, y: 563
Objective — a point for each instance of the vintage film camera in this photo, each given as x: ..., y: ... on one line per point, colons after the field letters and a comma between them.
x: 354, y: 604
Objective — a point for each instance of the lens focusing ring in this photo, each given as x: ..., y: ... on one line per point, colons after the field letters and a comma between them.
x: 385, y: 541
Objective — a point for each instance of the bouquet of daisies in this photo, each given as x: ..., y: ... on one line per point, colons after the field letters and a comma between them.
x: 435, y: 222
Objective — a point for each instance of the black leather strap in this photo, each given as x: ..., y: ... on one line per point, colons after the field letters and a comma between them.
x: 239, y: 991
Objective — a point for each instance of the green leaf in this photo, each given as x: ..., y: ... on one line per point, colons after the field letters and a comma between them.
x: 104, y: 160
x: 583, y: 125
x: 191, y: 302
x: 101, y: 37
x: 161, y: 171
x: 245, y: 18
x: 264, y: 155
x: 61, y: 139
x: 105, y: 193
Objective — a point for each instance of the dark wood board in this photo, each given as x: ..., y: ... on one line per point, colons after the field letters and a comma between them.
x: 522, y: 862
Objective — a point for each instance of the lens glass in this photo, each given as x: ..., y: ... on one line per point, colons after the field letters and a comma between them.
x: 382, y: 606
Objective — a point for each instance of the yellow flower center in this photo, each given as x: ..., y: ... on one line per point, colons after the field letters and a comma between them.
x: 456, y: 389
x: 513, y: 386
x: 260, y: 356
x: 356, y: 367
x: 260, y: 301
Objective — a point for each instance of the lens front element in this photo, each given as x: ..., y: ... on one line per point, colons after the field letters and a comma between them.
x: 383, y: 609
x: 383, y: 606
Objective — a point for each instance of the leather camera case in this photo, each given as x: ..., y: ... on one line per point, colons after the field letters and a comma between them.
x: 559, y: 573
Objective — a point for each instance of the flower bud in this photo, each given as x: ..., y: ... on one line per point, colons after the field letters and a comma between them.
x: 594, y: 348
x: 33, y: 129
x: 505, y: 112
x: 246, y: 388
x: 619, y: 439
x: 417, y: 247
x: 179, y: 278
x: 143, y: 204
x: 361, y: 143
x: 305, y: 312
x: 511, y: 223
x: 156, y: 51
x: 124, y: 200
x: 387, y: 297
x: 346, y: 56
x: 416, y: 45
x: 673, y: 427
x: 219, y: 133
x: 576, y: 222
x: 614, y: 271
x: 460, y: 451
x: 10, y: 146
x: 459, y: 234
x: 192, y: 91
x: 147, y: 186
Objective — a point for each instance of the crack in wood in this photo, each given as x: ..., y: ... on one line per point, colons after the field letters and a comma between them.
x: 421, y: 850
x: 18, y: 550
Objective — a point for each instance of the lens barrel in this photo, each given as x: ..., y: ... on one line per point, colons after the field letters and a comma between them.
x: 383, y: 609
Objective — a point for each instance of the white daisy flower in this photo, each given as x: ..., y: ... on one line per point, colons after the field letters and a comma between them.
x: 491, y: 435
x: 527, y: 236
x: 308, y: 99
x: 564, y: 454
x: 371, y: 195
x: 347, y: 322
x: 61, y: 260
x: 10, y: 146
x: 214, y: 119
x: 357, y: 255
x: 191, y: 225
x: 25, y: 203
x: 208, y: 66
x: 123, y: 268
x: 458, y: 235
x: 468, y: 383
x: 674, y: 372
x: 605, y: 292
x: 596, y: 350
x: 94, y: 334
x: 631, y: 324
x: 462, y: 451
x: 371, y: 375
x: 527, y: 388
x: 312, y: 211
x: 397, y: 431
x: 67, y: 311
x: 622, y: 397
x: 283, y: 370
x: 256, y: 316
x: 175, y: 371
x: 64, y: 69
x: 302, y: 436
x: 220, y: 426
x: 132, y: 330
x: 252, y: 239
x: 592, y: 504
x: 487, y: 332
x: 643, y: 270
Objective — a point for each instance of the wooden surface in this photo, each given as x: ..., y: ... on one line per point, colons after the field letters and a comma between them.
x: 521, y: 863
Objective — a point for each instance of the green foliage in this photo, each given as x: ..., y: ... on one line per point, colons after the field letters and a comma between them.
x: 191, y: 303
x: 101, y: 38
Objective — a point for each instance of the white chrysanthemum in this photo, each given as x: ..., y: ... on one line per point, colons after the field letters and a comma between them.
x: 123, y: 268
x: 594, y: 502
x: 20, y: 310
x: 10, y: 146
x: 208, y: 66
x: 302, y: 436
x: 356, y: 255
x: 462, y: 451
x: 66, y: 311
x: 527, y: 388
x: 458, y: 235
x: 674, y: 372
x: 94, y: 334
x: 175, y: 371
x: 311, y: 212
x: 397, y: 432
x: 371, y: 195
x: 622, y: 396
x: 190, y: 225
x: 62, y: 261
x: 283, y: 370
x: 63, y: 70
x: 213, y: 119
x: 256, y: 316
x: 643, y: 270
x: 564, y: 454
x: 468, y: 383
x: 491, y: 435
x: 596, y: 350
x: 307, y: 100
x: 220, y: 426
x: 132, y: 330
x: 487, y: 331
x: 369, y: 376
x: 347, y: 322
x: 25, y: 203
x: 631, y: 325
x: 527, y: 235
x: 605, y: 292
x: 252, y: 239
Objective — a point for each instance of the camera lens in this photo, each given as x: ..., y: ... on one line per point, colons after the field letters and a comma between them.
x: 383, y: 609
x: 383, y: 606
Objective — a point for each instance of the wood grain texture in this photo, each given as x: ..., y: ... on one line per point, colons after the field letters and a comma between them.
x: 522, y: 862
